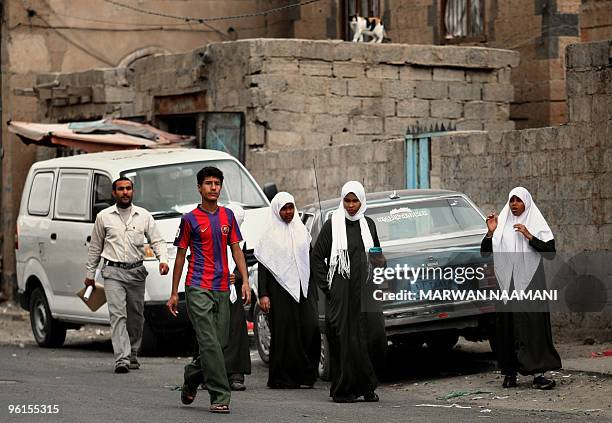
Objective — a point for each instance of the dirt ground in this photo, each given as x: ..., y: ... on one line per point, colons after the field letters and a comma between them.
x: 578, y: 393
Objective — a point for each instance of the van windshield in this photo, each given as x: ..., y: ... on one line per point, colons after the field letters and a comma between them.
x: 171, y: 190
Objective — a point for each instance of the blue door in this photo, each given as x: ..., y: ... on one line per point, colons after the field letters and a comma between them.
x: 225, y: 132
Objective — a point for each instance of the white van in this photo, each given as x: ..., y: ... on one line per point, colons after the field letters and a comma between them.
x: 59, y: 203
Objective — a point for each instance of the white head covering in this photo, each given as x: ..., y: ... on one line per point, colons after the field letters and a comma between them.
x: 284, y: 248
x: 514, y: 257
x: 340, y: 260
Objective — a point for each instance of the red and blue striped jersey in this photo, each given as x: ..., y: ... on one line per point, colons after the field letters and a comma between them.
x: 207, y: 235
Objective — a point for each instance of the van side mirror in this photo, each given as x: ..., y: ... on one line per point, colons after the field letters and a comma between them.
x: 97, y: 208
x: 270, y: 190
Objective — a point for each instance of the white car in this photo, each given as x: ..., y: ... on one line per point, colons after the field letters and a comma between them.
x: 59, y: 203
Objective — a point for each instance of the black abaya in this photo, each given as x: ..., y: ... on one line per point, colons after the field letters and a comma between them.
x: 357, y: 340
x: 295, y: 344
x: 524, y: 338
x: 236, y: 352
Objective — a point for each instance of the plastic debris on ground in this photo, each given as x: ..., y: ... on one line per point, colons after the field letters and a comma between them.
x: 456, y: 394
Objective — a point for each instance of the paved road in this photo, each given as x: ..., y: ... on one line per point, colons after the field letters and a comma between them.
x: 79, y: 380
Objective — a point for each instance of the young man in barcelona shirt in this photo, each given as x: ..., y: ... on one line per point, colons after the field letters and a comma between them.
x: 206, y: 231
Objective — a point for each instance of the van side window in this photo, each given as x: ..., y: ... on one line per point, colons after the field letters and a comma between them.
x: 72, y: 200
x: 39, y: 202
x: 102, y: 194
x: 103, y: 190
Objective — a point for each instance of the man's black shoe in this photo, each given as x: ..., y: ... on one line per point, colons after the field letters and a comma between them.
x: 134, y: 364
x: 237, y: 386
x: 541, y: 382
x: 509, y: 382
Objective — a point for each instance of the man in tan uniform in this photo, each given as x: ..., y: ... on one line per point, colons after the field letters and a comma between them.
x: 118, y: 238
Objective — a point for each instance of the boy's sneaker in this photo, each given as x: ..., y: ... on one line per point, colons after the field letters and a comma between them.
x: 122, y: 368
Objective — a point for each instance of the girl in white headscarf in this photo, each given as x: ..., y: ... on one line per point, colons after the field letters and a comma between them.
x: 517, y: 239
x: 355, y: 334
x: 284, y: 292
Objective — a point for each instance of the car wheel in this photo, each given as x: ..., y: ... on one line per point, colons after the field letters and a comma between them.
x: 442, y: 342
x: 324, y: 362
x: 261, y: 329
x: 48, y: 332
x: 148, y: 345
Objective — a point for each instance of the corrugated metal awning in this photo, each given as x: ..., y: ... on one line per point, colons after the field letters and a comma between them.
x: 95, y: 136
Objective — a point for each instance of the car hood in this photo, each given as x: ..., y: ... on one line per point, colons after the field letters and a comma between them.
x: 252, y: 228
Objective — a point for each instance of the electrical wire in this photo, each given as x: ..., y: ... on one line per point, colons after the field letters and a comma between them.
x: 218, y: 18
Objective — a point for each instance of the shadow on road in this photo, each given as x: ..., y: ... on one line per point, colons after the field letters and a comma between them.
x: 416, y: 363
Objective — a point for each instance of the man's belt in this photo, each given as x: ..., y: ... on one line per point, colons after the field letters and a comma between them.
x: 126, y: 266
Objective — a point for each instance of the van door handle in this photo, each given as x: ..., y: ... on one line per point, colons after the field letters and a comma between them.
x: 53, y: 236
x: 88, y: 239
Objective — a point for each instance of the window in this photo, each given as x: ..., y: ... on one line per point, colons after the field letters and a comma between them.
x: 103, y: 190
x: 72, y: 199
x: 170, y: 190
x: 40, y: 194
x: 425, y: 218
x: 463, y: 20
x: 365, y: 8
x: 102, y: 194
x: 308, y: 220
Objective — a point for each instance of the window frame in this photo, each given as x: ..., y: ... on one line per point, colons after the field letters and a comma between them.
x: 51, y: 190
x: 481, y: 38
x: 97, y: 173
x: 87, y: 195
x: 348, y: 36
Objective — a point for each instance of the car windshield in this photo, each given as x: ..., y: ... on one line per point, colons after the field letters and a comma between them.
x: 171, y: 190
x: 425, y: 218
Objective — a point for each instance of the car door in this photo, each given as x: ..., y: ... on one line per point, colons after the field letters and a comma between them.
x: 67, y: 238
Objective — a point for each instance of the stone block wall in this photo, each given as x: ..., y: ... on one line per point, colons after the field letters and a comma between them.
x: 567, y: 169
x: 301, y: 94
x: 589, y: 81
x: 538, y: 30
x: 86, y: 95
x: 379, y: 166
x: 595, y: 20
x: 312, y: 94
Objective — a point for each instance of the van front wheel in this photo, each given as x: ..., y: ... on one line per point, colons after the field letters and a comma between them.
x: 48, y: 332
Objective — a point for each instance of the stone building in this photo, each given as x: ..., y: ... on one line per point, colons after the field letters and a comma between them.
x: 432, y: 85
x: 292, y: 101
x: 41, y: 36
